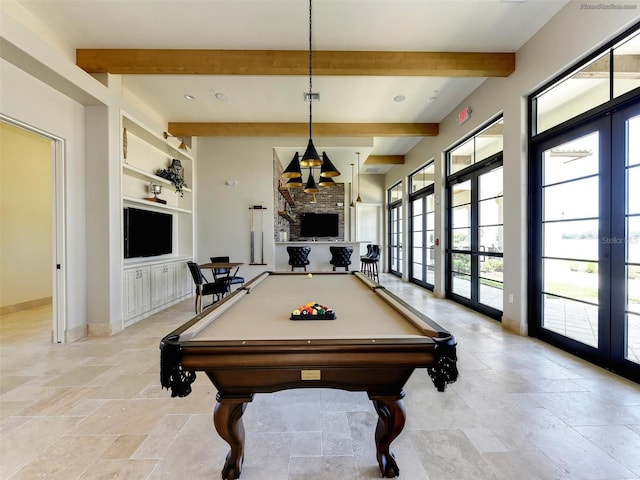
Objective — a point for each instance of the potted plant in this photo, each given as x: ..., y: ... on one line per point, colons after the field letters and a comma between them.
x: 175, y: 174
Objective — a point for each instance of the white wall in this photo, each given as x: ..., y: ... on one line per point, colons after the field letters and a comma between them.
x: 570, y: 35
x: 31, y: 102
x: 26, y: 224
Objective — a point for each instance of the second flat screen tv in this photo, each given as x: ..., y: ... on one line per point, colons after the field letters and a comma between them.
x: 319, y: 225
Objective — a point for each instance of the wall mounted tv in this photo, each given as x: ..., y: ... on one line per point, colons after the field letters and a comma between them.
x: 319, y: 225
x: 147, y: 233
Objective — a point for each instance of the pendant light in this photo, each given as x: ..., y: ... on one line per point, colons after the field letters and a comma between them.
x: 310, y: 158
x: 358, y: 199
x: 351, y: 192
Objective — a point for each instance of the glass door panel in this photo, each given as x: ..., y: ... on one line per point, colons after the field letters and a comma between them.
x: 476, y: 238
x: 570, y: 232
x: 632, y: 236
x: 423, y: 239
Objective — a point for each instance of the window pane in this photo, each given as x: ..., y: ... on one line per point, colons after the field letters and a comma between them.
x: 461, y: 193
x: 633, y: 288
x: 633, y: 190
x: 575, y: 159
x: 423, y: 178
x: 625, y: 66
x: 572, y: 319
x: 491, y: 282
x: 461, y: 278
x: 633, y: 338
x: 417, y: 206
x: 633, y: 138
x: 572, y: 200
x: 583, y: 90
x: 417, y: 239
x: 461, y: 216
x: 489, y: 141
x: 430, y: 203
x: 417, y: 255
x: 571, y: 240
x: 461, y: 238
x: 573, y: 279
x: 633, y: 240
x: 417, y: 224
x: 431, y: 221
x: 461, y: 157
x: 490, y: 184
x: 490, y: 211
x: 491, y: 239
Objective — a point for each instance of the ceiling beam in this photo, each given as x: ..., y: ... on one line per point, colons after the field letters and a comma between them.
x: 294, y: 62
x: 384, y: 160
x: 207, y: 129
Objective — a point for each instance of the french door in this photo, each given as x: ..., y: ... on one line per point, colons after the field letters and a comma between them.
x: 395, y: 238
x: 423, y: 238
x: 476, y: 237
x: 585, y: 243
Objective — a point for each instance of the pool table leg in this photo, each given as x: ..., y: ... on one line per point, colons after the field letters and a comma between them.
x: 391, y: 418
x: 227, y: 418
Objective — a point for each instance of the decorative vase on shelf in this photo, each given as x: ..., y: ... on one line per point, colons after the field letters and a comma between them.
x: 156, y: 190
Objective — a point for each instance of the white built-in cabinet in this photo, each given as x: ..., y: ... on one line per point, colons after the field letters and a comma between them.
x: 152, y: 284
x: 154, y: 287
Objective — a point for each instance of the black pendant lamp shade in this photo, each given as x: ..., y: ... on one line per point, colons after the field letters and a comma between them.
x: 311, y: 186
x: 326, y: 181
x: 294, y: 182
x: 293, y: 169
x: 328, y: 169
x: 310, y: 157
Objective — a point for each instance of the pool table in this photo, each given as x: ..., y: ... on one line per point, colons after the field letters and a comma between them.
x: 248, y: 344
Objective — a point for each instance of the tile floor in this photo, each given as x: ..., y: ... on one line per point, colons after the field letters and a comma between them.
x: 521, y: 409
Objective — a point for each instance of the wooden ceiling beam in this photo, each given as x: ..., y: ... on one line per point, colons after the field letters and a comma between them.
x: 240, y: 129
x: 294, y: 62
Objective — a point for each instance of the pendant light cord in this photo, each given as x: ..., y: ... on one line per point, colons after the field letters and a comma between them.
x: 310, y: 73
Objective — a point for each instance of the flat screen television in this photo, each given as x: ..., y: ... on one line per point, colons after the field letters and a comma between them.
x: 147, y: 233
x: 319, y: 225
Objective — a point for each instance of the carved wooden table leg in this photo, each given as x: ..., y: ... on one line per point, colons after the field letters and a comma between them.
x: 391, y: 418
x: 227, y: 418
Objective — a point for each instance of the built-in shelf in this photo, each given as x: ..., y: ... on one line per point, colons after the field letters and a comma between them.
x: 284, y: 191
x: 286, y: 216
x: 142, y: 201
x: 146, y: 175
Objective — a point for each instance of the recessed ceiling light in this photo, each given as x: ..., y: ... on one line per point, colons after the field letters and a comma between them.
x: 399, y: 98
x: 190, y: 97
x: 222, y: 97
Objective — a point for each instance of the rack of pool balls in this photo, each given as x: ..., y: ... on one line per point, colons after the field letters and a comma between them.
x: 313, y: 311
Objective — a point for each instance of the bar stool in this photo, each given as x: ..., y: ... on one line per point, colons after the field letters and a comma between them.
x: 299, y: 257
x: 340, y: 257
x: 367, y: 255
x: 370, y: 263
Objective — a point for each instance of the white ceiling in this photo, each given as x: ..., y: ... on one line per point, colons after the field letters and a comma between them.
x: 370, y: 25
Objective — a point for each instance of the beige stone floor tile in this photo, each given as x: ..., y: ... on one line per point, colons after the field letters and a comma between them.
x: 123, y: 446
x: 78, y: 376
x: 119, y: 470
x: 66, y: 459
x: 59, y: 402
x: 156, y: 443
x: 123, y: 417
x: 123, y: 386
x: 619, y: 441
x: 525, y: 465
x: 25, y: 442
x: 450, y: 455
x: 323, y: 468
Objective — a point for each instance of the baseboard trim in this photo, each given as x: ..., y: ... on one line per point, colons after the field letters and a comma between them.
x: 28, y: 305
